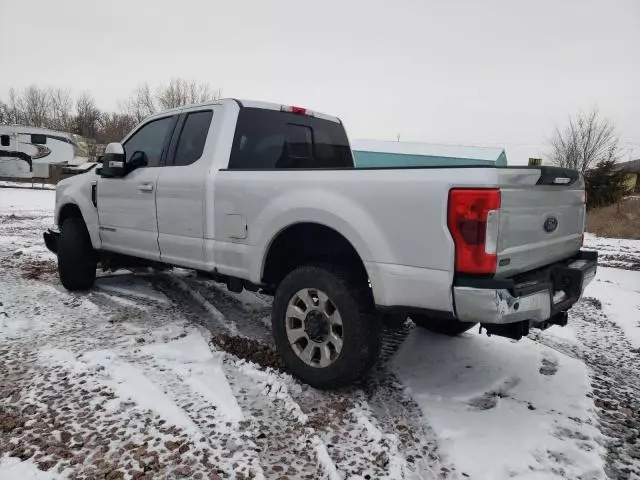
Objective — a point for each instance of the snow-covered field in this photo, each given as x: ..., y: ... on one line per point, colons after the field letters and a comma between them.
x: 166, y: 375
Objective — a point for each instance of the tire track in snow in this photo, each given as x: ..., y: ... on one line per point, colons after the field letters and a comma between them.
x: 383, y: 433
x: 105, y: 400
x: 285, y: 445
x: 616, y: 388
x: 247, y: 320
x: 228, y: 445
x: 356, y: 442
x: 272, y: 419
x: 614, y: 368
x: 399, y: 413
x: 179, y: 397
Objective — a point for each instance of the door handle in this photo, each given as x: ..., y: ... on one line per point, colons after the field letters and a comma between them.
x: 145, y: 187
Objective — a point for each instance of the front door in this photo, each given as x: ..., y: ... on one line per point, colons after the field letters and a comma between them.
x: 127, y: 206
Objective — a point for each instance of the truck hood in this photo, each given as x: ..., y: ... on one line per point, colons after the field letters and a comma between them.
x: 80, y: 179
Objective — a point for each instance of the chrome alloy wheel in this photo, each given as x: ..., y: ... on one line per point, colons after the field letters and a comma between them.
x: 314, y: 327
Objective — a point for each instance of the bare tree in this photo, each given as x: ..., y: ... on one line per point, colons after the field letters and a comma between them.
x: 113, y: 127
x: 585, y: 141
x: 15, y: 113
x: 4, y: 113
x: 55, y: 108
x: 140, y: 104
x: 61, y: 109
x: 87, y: 116
x: 34, y: 102
x: 179, y: 92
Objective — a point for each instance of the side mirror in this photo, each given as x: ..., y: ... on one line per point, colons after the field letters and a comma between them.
x: 138, y: 159
x: 113, y: 161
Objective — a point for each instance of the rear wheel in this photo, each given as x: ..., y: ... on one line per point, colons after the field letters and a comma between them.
x: 451, y: 327
x: 76, y: 257
x: 325, y: 326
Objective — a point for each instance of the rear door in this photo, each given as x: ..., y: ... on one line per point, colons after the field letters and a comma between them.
x: 180, y: 194
x: 127, y: 206
x: 541, y: 217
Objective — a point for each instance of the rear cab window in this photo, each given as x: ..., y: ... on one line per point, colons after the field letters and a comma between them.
x: 193, y: 137
x: 271, y: 139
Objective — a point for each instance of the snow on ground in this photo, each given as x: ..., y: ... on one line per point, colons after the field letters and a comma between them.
x: 12, y: 468
x: 166, y: 375
x: 504, y: 409
x: 22, y: 200
x: 615, y: 252
x: 27, y: 184
x: 619, y: 292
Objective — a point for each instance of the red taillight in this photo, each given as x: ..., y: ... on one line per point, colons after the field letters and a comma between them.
x: 296, y: 110
x: 473, y: 223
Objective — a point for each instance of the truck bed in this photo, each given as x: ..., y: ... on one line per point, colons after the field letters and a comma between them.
x: 396, y: 218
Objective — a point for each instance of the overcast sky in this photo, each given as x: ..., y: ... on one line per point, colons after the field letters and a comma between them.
x: 499, y: 72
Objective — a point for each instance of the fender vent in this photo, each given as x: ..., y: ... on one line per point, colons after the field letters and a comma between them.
x: 94, y: 194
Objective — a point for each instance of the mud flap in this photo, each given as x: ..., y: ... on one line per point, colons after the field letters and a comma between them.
x: 51, y: 239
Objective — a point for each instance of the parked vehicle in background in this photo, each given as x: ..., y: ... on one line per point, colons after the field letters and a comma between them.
x: 27, y: 152
x: 265, y: 196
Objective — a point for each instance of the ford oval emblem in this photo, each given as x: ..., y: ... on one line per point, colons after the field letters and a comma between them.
x: 550, y: 224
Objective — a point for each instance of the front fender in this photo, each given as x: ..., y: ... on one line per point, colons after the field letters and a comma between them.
x: 77, y: 191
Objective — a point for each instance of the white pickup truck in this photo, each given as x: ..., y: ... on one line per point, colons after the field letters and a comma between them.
x: 265, y: 196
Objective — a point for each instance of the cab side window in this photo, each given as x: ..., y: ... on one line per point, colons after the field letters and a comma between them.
x: 150, y: 139
x: 193, y: 137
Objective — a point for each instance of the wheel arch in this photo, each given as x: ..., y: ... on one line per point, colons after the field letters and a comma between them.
x: 69, y: 210
x: 304, y: 243
x: 73, y: 210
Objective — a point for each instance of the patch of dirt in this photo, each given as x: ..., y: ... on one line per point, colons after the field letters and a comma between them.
x: 594, y: 302
x: 489, y: 400
x: 549, y: 366
x: 250, y: 350
x: 616, y: 221
x: 33, y: 269
x: 12, y: 218
x: 329, y: 412
x: 9, y: 421
x: 619, y: 260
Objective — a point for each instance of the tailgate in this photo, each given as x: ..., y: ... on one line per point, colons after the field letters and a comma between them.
x: 541, y: 217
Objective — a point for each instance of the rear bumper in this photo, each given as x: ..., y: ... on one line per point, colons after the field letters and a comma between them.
x: 51, y: 238
x: 534, y: 296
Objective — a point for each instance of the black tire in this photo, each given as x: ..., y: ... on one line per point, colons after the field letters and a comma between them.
x: 449, y: 327
x: 76, y: 256
x: 360, y: 325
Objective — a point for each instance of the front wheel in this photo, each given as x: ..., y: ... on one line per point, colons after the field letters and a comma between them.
x: 76, y: 256
x: 325, y: 327
x: 452, y: 328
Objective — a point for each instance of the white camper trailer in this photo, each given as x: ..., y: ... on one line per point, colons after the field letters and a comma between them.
x: 27, y: 152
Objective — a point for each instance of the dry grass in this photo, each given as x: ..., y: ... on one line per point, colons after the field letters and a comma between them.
x: 616, y: 221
